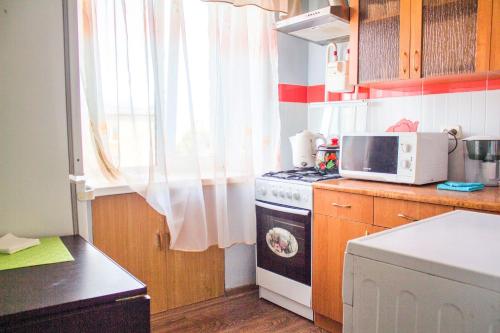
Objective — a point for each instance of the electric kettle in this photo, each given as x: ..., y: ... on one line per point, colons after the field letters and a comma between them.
x: 304, y: 146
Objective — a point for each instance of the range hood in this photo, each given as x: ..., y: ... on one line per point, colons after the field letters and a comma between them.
x: 319, y: 26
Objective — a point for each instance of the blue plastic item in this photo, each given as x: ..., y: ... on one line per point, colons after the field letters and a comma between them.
x: 461, y: 187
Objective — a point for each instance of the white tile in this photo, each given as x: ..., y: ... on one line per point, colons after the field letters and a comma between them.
x: 492, y: 119
x: 465, y: 113
x: 478, y: 113
x: 439, y: 110
x: 427, y: 114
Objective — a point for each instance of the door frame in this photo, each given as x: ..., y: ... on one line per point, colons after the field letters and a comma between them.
x: 80, y: 207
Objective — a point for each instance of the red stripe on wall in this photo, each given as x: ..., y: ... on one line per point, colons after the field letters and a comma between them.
x: 292, y: 93
x: 313, y: 94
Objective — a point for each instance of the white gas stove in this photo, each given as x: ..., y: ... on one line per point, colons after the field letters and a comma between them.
x: 283, y: 203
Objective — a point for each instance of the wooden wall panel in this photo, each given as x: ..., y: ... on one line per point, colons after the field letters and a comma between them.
x: 133, y: 234
x: 483, y: 34
x: 353, y: 41
x: 495, y: 37
x: 415, y: 54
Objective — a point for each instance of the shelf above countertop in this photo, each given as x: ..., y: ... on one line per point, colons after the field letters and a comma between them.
x: 350, y: 103
x: 485, y: 200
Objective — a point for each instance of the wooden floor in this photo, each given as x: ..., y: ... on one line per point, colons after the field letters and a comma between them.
x: 243, y: 312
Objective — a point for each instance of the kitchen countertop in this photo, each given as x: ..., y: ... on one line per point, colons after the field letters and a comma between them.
x: 487, y: 199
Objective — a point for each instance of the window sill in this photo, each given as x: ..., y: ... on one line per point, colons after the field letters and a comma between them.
x: 104, y: 189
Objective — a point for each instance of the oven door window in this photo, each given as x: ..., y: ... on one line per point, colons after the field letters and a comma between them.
x: 284, y: 243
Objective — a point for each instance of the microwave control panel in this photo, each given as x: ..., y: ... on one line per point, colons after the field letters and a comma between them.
x: 407, y: 155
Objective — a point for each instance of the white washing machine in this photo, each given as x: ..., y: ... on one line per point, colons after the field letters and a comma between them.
x: 439, y: 275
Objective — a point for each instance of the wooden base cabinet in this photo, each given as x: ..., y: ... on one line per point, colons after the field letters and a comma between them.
x: 338, y: 218
x: 134, y: 235
x: 330, y: 237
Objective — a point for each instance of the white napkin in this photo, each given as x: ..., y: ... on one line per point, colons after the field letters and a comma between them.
x: 11, y: 244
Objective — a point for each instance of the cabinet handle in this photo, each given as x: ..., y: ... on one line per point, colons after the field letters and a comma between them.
x: 406, y: 217
x: 159, y: 240
x: 366, y: 232
x: 340, y: 206
x: 416, y: 61
x: 405, y: 55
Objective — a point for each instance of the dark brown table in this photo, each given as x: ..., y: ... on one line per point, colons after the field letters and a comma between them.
x: 90, y: 294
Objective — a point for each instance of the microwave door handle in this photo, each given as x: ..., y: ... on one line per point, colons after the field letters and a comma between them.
x: 294, y: 211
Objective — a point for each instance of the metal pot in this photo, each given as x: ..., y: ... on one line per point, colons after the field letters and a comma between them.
x: 484, y: 148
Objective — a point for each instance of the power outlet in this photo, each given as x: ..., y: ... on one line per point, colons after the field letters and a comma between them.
x: 456, y: 128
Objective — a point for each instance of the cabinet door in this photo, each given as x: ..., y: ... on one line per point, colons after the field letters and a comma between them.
x: 383, y: 39
x: 133, y: 234
x: 450, y: 37
x: 194, y: 276
x: 330, y: 237
x: 148, y: 246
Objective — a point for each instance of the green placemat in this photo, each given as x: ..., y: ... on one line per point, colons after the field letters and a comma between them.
x: 50, y: 251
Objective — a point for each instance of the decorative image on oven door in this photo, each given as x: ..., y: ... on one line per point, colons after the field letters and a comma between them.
x: 284, y: 241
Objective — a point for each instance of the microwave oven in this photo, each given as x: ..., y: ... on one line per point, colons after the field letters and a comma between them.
x: 408, y: 157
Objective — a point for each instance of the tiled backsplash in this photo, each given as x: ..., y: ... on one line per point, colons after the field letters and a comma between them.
x: 477, y: 112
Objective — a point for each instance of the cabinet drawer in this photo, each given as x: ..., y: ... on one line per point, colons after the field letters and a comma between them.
x: 391, y: 213
x: 348, y: 206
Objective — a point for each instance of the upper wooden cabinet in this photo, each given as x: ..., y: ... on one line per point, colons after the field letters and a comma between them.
x: 450, y: 37
x: 412, y: 39
x: 382, y: 55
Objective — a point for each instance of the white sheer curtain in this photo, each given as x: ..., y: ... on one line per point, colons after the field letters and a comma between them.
x: 182, y: 105
x: 272, y: 5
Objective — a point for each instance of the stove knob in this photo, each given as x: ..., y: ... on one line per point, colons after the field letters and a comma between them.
x: 274, y: 192
x: 282, y: 194
x: 263, y: 191
x: 296, y: 195
x: 289, y: 195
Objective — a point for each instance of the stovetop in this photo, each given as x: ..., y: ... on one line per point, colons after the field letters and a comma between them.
x: 308, y: 175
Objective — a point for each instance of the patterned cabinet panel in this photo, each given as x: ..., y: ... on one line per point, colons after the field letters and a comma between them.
x: 379, y: 40
x: 449, y: 37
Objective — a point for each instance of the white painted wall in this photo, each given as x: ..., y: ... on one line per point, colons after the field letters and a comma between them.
x: 293, y: 55
x: 239, y: 265
x: 34, y: 186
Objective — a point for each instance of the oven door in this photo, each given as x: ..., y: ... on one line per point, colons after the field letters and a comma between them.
x: 284, y: 241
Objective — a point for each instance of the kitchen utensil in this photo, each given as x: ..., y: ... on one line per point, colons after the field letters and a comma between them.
x: 327, y: 158
x: 304, y: 145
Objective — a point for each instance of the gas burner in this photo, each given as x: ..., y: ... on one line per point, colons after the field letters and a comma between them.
x: 308, y: 175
